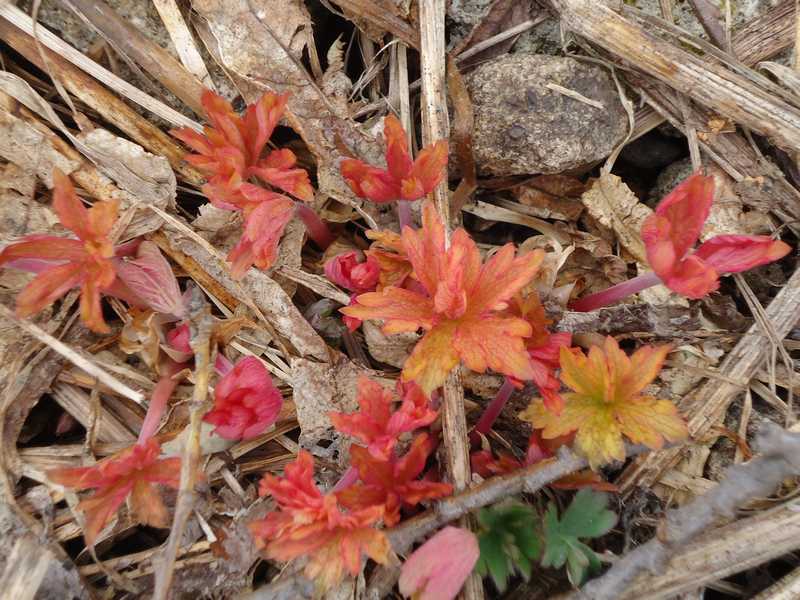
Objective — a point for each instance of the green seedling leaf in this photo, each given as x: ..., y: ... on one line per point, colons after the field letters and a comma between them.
x: 586, y: 517
x: 510, y: 540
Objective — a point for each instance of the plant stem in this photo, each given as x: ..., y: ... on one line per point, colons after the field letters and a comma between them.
x: 222, y: 365
x: 404, y: 214
x: 349, y: 478
x: 494, y: 408
x: 316, y: 227
x: 158, y: 400
x: 615, y: 293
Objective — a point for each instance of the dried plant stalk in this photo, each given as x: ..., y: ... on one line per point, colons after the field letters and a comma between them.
x: 706, y: 407
x: 709, y: 84
x: 129, y: 41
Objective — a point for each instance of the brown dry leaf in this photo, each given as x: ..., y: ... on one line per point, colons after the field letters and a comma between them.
x: 388, y: 349
x: 336, y: 85
x: 30, y: 149
x: 502, y: 15
x: 552, y: 196
x: 592, y: 273
x: 20, y: 214
x: 142, y: 178
x: 256, y: 287
x: 320, y: 388
x: 461, y: 136
x: 614, y: 206
x: 377, y: 17
x: 726, y: 212
x: 261, y: 43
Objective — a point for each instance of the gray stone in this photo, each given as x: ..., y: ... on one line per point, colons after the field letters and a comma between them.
x: 524, y: 127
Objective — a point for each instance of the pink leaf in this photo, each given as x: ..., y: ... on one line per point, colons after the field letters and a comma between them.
x: 438, y: 569
x: 150, y: 276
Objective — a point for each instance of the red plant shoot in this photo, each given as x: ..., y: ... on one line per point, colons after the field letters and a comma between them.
x: 404, y: 179
x: 392, y: 483
x: 62, y: 263
x: 245, y: 401
x: 669, y: 235
x: 229, y: 152
x: 376, y: 424
x: 134, y: 472
x: 313, y: 524
x: 459, y: 303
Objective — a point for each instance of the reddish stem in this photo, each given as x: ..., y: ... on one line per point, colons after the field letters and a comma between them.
x: 404, y: 214
x: 349, y: 478
x: 158, y: 400
x: 316, y: 227
x: 615, y: 293
x: 222, y: 365
x: 494, y: 408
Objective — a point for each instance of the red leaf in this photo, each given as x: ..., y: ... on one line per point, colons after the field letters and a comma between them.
x: 308, y: 523
x: 403, y: 179
x: 114, y: 478
x: 393, y: 482
x: 375, y: 424
x: 736, y: 253
x: 64, y: 264
x: 671, y: 232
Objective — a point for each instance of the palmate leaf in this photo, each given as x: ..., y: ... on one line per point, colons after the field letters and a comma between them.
x: 510, y: 540
x: 586, y: 517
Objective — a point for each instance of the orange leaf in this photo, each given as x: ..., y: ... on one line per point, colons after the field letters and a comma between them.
x: 459, y: 306
x: 376, y: 424
x: 64, y: 264
x: 135, y: 469
x: 392, y: 482
x: 606, y: 403
x: 403, y: 179
x: 308, y: 523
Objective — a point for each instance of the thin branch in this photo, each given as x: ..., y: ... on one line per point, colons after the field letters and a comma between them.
x: 780, y: 458
x: 202, y: 326
x: 74, y: 357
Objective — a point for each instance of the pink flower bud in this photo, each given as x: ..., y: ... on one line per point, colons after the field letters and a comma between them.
x: 352, y: 272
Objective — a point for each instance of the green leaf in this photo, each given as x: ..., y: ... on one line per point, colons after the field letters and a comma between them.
x: 586, y: 517
x: 509, y: 540
x: 493, y: 560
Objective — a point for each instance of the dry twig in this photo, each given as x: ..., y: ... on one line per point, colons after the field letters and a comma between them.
x: 780, y: 458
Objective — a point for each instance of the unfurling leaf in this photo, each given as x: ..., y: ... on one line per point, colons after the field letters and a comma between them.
x: 586, y: 517
x: 458, y: 304
x: 607, y: 403
x: 151, y: 278
x: 671, y: 232
x: 352, y: 272
x: 437, y: 569
x: 403, y: 179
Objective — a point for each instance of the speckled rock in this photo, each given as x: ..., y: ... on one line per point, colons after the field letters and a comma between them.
x: 524, y: 127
